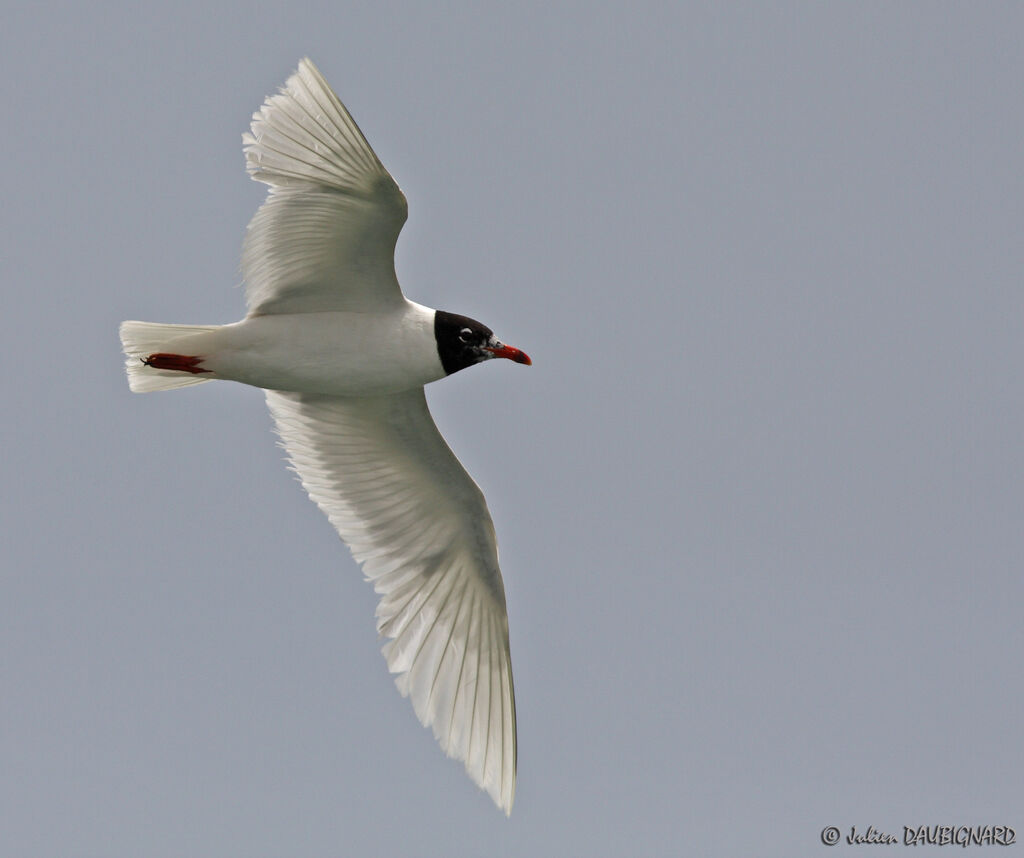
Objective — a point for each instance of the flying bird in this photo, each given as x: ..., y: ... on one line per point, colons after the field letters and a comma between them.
x: 343, y: 357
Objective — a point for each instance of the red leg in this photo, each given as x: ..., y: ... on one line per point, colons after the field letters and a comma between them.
x: 179, y: 363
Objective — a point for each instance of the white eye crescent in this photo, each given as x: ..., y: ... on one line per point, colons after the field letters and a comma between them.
x: 465, y: 335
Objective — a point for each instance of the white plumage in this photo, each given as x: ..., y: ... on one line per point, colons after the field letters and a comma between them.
x: 343, y: 356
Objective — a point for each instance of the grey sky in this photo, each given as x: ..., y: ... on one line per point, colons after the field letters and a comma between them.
x: 758, y: 500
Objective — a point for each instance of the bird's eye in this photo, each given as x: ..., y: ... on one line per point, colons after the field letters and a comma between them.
x: 465, y: 335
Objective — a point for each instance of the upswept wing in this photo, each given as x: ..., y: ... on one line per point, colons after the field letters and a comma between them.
x: 391, y: 486
x: 325, y: 237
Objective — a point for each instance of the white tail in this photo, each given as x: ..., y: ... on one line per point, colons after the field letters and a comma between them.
x: 141, y: 339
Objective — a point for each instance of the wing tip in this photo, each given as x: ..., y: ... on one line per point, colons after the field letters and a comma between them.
x: 496, y: 778
x: 303, y: 134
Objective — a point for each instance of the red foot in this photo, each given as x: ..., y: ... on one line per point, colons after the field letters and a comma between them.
x: 179, y: 363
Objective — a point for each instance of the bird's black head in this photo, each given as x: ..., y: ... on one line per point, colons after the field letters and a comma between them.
x: 462, y: 342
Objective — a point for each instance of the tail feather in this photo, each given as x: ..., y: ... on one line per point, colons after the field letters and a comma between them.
x: 142, y: 339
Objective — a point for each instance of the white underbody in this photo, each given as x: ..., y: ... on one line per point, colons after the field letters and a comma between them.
x: 339, y: 354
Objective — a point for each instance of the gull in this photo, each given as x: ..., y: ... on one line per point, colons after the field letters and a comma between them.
x: 343, y: 356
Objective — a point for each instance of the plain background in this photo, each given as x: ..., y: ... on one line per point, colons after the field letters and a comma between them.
x: 759, y: 498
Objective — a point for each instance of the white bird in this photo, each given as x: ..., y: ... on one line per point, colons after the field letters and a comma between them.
x: 343, y: 357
